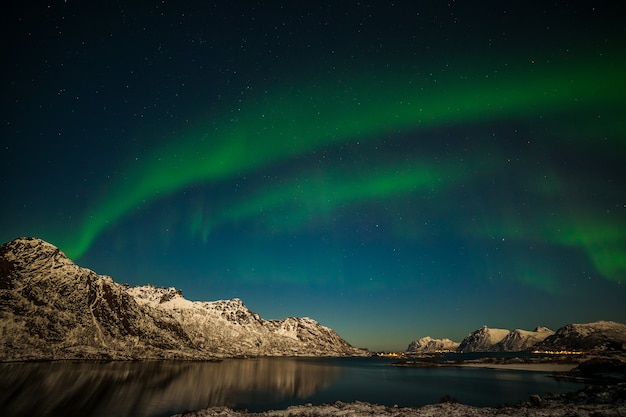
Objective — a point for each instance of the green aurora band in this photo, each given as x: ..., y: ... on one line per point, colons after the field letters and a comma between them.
x: 295, y: 122
x: 602, y: 240
x: 298, y: 202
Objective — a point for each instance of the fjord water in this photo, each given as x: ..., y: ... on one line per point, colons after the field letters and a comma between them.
x: 163, y: 388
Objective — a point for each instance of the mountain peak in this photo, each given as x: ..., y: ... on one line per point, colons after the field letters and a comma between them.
x: 542, y: 329
x: 26, y: 249
x: 30, y: 261
x: 482, y: 340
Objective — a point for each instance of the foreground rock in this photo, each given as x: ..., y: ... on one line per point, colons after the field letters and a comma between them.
x: 604, y: 401
x: 604, y: 370
x: 52, y: 309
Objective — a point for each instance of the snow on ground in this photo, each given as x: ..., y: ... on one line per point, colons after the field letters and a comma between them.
x: 605, y: 401
x: 360, y: 409
x: 543, y: 367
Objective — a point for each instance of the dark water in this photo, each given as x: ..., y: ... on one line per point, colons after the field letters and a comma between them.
x: 165, y: 388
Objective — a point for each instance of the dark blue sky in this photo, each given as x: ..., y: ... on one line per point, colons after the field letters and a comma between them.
x: 390, y: 169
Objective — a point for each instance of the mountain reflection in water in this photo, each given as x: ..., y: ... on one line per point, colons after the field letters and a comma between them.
x: 152, y: 388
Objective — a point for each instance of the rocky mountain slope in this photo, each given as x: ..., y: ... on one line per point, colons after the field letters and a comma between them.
x: 597, y: 336
x: 50, y: 308
x: 430, y: 345
x: 482, y: 340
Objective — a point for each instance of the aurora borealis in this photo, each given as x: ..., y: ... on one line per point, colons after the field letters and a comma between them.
x: 392, y: 171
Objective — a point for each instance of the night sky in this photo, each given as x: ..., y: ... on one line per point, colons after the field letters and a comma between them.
x: 390, y: 169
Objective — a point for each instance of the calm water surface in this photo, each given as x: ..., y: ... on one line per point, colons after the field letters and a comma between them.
x: 165, y: 388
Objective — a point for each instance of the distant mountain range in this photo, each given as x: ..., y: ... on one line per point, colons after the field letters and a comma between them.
x: 601, y: 336
x: 50, y: 308
x: 502, y: 340
x: 430, y: 345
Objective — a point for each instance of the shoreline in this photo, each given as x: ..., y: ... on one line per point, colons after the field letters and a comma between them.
x: 517, y: 364
x: 532, y: 367
x: 593, y: 400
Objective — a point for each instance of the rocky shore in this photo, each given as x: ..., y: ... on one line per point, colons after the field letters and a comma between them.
x: 596, y: 400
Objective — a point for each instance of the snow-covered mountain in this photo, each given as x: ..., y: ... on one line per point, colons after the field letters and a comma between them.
x: 482, y: 340
x: 228, y: 328
x: 53, y: 309
x: 430, y: 345
x: 597, y: 336
x: 519, y: 339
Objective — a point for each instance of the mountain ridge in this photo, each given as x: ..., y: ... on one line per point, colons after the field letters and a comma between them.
x: 519, y: 339
x: 599, y: 336
x: 51, y: 308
